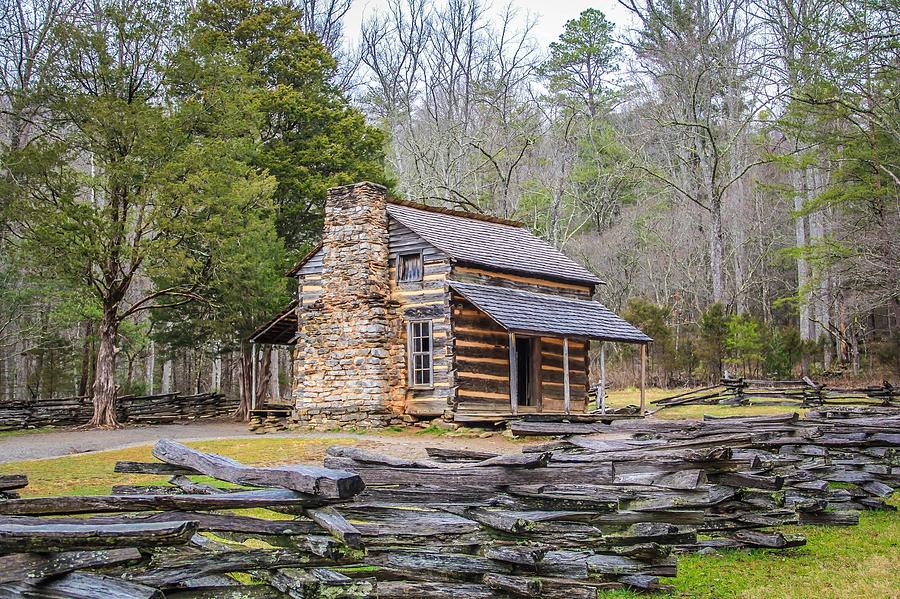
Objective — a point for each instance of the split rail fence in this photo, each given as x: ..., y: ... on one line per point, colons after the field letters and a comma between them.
x: 75, y: 411
x: 560, y: 520
x: 799, y: 393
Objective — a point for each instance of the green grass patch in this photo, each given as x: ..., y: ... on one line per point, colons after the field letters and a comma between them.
x: 92, y: 473
x: 356, y: 569
x: 620, y: 398
x: 437, y: 431
x: 837, y: 562
x: 860, y: 561
x: 27, y: 431
x: 837, y: 485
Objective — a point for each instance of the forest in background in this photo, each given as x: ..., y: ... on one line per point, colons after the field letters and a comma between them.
x: 730, y: 169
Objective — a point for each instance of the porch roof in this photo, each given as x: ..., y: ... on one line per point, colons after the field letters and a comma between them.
x: 280, y: 330
x: 527, y: 312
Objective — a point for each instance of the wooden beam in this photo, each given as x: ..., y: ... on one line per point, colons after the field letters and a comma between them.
x: 643, y: 376
x: 81, y: 585
x: 171, y: 569
x: 513, y: 375
x: 328, y: 518
x: 253, y: 376
x: 566, y: 391
x: 522, y: 279
x: 22, y: 566
x: 601, y: 390
x: 536, y: 375
x: 151, y: 468
x: 322, y: 482
x: 98, y: 504
x: 86, y: 537
x: 206, y: 521
x: 8, y: 482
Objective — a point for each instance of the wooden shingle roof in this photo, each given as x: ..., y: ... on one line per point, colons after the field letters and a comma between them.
x: 527, y: 312
x: 488, y: 242
x: 295, y: 270
x: 279, y: 330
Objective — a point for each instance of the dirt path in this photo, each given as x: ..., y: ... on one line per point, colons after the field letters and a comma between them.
x: 58, y: 443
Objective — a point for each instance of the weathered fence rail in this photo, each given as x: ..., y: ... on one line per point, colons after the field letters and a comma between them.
x: 800, y: 393
x: 831, y: 463
x: 560, y: 520
x: 75, y: 411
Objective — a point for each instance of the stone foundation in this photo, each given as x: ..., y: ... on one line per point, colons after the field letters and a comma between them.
x: 346, y: 364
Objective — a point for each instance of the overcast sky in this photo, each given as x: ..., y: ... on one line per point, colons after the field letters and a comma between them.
x: 551, y: 14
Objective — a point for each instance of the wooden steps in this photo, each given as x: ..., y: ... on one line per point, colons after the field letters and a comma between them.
x: 270, y: 419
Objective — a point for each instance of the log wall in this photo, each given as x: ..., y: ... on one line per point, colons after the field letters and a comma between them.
x: 481, y: 360
x: 427, y: 300
x: 552, y: 375
x: 482, y: 365
x: 480, y: 276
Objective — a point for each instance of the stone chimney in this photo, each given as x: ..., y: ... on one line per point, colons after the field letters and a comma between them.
x: 344, y: 350
x: 355, y: 238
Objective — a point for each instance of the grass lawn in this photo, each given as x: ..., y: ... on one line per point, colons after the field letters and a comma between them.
x: 853, y: 562
x: 27, y: 431
x: 622, y: 397
x: 860, y: 562
x: 92, y: 473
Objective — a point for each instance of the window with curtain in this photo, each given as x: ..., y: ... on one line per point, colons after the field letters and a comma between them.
x: 409, y: 267
x: 421, y: 356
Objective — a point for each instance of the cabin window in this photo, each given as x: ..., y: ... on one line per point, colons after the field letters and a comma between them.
x: 410, y: 267
x: 421, y: 356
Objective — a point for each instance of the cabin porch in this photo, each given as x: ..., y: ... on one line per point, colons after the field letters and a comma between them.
x: 271, y: 411
x: 545, y: 377
x: 524, y: 354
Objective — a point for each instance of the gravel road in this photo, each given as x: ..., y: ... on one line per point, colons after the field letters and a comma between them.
x: 62, y: 442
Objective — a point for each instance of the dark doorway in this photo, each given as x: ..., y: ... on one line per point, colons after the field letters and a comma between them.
x: 527, y: 367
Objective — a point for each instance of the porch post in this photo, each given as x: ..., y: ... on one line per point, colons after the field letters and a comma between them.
x: 513, y: 375
x: 252, y: 375
x: 566, y: 396
x: 643, y: 375
x: 602, y: 388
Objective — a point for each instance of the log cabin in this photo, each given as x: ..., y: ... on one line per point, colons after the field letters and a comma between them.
x: 407, y: 311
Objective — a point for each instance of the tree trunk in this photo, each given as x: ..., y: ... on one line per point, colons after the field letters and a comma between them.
x: 166, y: 383
x: 21, y: 371
x: 129, y: 373
x: 105, y: 378
x: 275, y: 374
x: 150, y: 366
x: 246, y: 361
x: 4, y: 367
x: 854, y: 347
x: 800, y: 232
x: 717, y: 253
x: 818, y: 306
x: 84, y: 380
x: 217, y: 372
x: 198, y: 371
x: 263, y: 374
